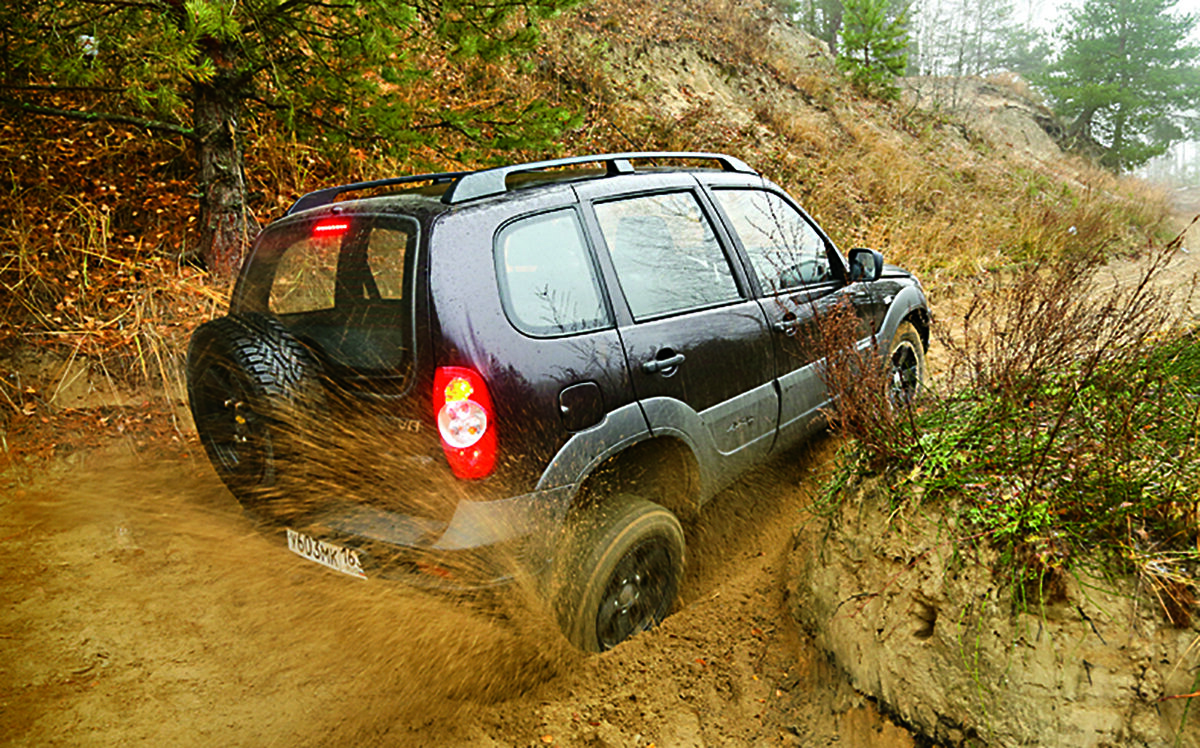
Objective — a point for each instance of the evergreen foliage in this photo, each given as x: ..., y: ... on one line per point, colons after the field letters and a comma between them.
x: 198, y: 68
x: 1125, y: 78
x: 874, y: 47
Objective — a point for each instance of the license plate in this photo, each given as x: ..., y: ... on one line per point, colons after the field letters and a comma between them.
x: 335, y: 557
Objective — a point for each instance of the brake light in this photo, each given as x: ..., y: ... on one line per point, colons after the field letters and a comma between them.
x: 463, y: 410
x: 330, y: 227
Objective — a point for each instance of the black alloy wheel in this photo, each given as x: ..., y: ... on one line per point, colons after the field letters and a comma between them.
x: 620, y: 572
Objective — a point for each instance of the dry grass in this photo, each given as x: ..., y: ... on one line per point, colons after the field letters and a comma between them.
x: 96, y: 216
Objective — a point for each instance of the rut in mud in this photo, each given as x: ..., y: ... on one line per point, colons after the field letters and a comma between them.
x: 141, y: 606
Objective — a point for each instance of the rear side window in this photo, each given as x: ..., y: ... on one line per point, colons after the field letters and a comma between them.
x: 666, y: 254
x: 547, y: 277
x: 784, y: 248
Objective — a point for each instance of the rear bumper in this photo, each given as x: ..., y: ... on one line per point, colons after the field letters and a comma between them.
x: 484, y: 542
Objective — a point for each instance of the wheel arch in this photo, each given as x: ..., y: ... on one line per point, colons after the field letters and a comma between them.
x: 922, y: 319
x: 908, y: 306
x: 660, y: 469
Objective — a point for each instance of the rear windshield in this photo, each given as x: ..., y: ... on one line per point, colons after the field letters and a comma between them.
x: 342, y: 284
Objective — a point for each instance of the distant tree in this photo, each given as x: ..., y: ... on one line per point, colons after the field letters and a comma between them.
x: 196, y: 69
x: 821, y: 18
x: 1023, y: 50
x: 874, y: 47
x: 790, y: 8
x: 1125, y: 78
x: 974, y: 37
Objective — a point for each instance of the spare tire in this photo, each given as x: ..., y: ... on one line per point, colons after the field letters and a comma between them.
x: 249, y: 383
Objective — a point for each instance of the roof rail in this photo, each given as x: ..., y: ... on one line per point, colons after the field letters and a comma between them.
x: 487, y: 182
x: 329, y: 194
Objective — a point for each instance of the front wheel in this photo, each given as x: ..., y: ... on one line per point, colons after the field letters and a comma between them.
x: 907, y: 362
x: 620, y: 572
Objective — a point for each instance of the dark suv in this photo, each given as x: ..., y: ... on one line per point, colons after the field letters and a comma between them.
x: 539, y: 367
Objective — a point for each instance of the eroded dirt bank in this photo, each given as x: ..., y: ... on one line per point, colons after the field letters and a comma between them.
x: 139, y: 606
x: 915, y: 616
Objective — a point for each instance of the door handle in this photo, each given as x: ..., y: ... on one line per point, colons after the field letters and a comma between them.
x: 655, y: 365
x: 787, y: 326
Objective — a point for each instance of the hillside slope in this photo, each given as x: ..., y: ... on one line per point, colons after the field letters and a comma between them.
x: 144, y: 608
x: 957, y: 177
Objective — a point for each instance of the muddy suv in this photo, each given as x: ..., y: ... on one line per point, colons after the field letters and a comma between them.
x: 536, y: 368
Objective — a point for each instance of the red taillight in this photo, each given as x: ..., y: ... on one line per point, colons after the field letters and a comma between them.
x: 330, y: 227
x: 463, y: 410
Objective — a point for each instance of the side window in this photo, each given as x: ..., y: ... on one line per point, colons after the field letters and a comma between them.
x: 547, y: 278
x: 386, y: 249
x: 666, y: 254
x: 784, y: 248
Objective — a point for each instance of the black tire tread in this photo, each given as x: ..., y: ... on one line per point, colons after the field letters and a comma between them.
x: 278, y: 372
x: 589, y: 547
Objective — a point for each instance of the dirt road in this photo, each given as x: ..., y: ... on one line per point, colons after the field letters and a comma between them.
x: 139, y: 606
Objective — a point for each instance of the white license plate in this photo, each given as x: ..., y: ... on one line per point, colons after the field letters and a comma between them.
x: 335, y: 557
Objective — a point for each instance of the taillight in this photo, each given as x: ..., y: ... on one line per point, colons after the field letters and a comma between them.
x: 463, y: 409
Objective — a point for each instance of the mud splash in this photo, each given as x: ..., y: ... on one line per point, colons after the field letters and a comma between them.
x: 143, y: 587
x: 140, y: 606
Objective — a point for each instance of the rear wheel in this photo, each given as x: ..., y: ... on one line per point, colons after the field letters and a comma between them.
x: 620, y: 572
x: 247, y: 379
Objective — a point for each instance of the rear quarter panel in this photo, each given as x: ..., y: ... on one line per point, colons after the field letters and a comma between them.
x: 524, y: 374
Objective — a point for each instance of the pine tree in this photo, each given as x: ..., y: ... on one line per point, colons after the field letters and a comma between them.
x: 196, y: 69
x: 1125, y: 78
x: 874, y: 47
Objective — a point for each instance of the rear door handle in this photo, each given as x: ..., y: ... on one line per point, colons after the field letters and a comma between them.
x: 655, y: 365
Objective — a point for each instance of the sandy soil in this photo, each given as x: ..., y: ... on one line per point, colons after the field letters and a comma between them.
x: 139, y: 606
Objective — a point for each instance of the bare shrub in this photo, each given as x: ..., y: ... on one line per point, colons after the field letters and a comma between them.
x: 859, y: 382
x: 1072, y: 428
x: 1066, y: 431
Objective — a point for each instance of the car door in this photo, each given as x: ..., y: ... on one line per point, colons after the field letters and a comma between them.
x: 800, y: 277
x: 698, y: 345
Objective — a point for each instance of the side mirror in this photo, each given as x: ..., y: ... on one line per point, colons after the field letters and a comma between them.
x: 865, y: 265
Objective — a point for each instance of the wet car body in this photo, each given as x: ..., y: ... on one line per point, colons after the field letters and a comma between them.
x: 638, y: 330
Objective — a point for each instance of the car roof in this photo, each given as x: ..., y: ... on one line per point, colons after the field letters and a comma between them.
x: 454, y: 188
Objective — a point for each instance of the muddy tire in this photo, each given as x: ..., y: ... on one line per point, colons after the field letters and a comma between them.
x: 248, y: 378
x: 620, y: 572
x: 907, y: 357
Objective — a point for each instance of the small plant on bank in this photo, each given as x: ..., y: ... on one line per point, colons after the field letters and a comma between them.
x: 1067, y: 431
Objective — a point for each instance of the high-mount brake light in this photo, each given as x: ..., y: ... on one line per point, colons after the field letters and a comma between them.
x: 331, y: 227
x: 465, y: 420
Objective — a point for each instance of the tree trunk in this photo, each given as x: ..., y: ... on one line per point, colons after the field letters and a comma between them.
x: 1080, y: 131
x: 225, y: 226
x: 1114, y: 157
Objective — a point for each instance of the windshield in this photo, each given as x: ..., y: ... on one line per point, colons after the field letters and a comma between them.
x: 342, y: 284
